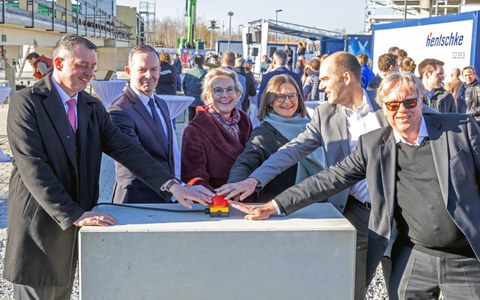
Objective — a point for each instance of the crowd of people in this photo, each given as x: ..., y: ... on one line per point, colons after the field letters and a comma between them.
x: 396, y: 154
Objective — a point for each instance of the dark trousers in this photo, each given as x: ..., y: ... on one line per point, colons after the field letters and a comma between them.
x: 358, y: 215
x: 25, y: 292
x: 417, y: 275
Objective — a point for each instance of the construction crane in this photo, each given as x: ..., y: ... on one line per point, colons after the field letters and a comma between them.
x: 191, y: 13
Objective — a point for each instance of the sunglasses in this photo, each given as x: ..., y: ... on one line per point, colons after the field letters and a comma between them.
x: 395, y: 105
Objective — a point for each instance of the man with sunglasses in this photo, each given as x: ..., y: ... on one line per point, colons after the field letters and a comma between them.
x: 422, y: 172
x: 336, y: 126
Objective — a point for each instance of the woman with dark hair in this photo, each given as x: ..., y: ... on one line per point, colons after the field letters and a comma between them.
x: 217, y: 134
x: 284, y: 117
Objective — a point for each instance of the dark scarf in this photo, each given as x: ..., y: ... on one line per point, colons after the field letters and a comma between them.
x: 230, y: 124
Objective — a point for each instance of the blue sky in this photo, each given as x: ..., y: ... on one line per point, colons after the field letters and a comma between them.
x: 323, y: 14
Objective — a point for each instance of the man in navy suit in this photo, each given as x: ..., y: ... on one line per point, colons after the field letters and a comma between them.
x: 280, y: 62
x: 146, y: 119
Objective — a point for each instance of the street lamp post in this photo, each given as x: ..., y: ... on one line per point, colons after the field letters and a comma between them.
x: 230, y: 14
x: 276, y: 22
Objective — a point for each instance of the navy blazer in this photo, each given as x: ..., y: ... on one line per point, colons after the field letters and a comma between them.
x: 134, y: 120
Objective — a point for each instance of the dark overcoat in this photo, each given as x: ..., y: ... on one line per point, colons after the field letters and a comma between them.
x: 55, y: 180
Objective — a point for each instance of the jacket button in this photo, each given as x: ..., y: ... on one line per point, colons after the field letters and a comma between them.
x: 68, y: 136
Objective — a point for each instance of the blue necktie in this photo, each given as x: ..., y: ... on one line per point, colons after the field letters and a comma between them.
x: 156, y: 119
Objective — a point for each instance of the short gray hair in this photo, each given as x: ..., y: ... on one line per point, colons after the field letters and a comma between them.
x: 405, y: 80
x: 280, y: 57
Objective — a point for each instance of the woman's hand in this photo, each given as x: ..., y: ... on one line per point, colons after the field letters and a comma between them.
x: 243, y: 189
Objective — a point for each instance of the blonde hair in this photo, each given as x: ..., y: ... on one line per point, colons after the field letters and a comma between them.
x: 207, y: 90
x: 165, y: 57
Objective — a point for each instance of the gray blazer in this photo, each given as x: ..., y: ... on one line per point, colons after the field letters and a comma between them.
x: 328, y: 129
x: 455, y: 142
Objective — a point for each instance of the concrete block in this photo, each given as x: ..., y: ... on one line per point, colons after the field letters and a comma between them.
x: 166, y: 255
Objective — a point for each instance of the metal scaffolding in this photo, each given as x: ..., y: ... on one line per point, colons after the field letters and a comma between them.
x: 147, y: 13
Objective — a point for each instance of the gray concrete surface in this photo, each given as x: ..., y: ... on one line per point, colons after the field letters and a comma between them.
x: 163, y: 249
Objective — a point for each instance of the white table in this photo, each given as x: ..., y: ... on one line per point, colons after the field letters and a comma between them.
x: 107, y: 90
x: 176, y: 104
x: 4, y: 92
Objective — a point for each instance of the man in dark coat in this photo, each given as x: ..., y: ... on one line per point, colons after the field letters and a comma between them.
x: 249, y: 82
x: 57, y: 133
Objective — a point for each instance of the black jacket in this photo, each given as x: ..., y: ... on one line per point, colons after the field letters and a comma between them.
x: 264, y: 141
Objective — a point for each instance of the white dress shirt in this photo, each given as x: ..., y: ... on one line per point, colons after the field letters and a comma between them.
x: 65, y: 97
x: 359, y: 122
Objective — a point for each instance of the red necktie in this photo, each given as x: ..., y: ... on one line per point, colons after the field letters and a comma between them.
x: 72, y: 118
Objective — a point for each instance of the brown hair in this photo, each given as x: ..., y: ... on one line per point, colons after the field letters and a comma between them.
x: 385, y: 61
x: 429, y: 65
x: 165, y: 57
x: 268, y: 96
x: 408, y: 64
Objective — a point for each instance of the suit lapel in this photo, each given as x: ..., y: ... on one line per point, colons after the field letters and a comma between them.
x: 83, y: 116
x: 439, y: 145
x: 143, y: 112
x: 340, y: 121
x: 388, y: 165
x: 56, y: 111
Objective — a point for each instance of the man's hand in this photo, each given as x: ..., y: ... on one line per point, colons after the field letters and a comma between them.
x: 242, y: 188
x: 255, y: 212
x: 95, y: 218
x: 195, y: 193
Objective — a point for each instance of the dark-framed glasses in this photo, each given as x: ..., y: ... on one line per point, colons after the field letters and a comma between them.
x: 395, y: 105
x: 218, y: 91
x: 280, y: 98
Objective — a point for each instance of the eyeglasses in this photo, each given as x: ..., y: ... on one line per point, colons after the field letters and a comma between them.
x: 218, y: 91
x: 281, y: 98
x: 395, y: 105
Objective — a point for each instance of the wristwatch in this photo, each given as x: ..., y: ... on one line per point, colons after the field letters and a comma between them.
x: 168, y: 185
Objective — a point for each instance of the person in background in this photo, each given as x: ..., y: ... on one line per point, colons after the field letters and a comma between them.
x: 435, y: 210
x: 177, y: 63
x: 217, y: 135
x: 57, y: 133
x: 283, y: 113
x: 192, y: 84
x: 301, y: 50
x: 455, y: 83
x: 289, y: 52
x: 265, y: 64
x: 228, y: 61
x: 407, y: 64
x: 311, y: 87
x: 42, y: 65
x: 432, y: 75
x: 469, y: 94
x: 367, y: 74
x: 387, y: 63
x: 300, y: 65
x: 250, y: 89
x: 167, y: 82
